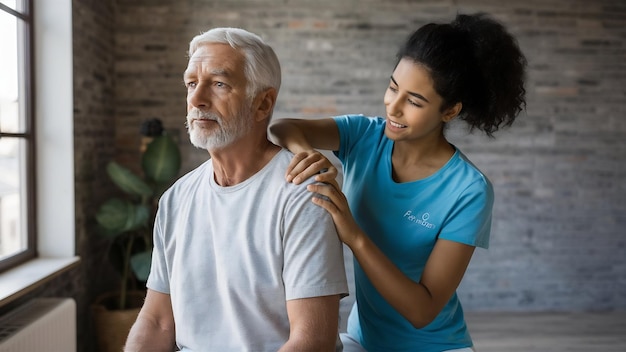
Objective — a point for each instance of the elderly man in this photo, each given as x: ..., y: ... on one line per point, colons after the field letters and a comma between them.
x: 243, y: 260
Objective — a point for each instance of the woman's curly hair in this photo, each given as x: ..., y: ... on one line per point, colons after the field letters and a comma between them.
x: 475, y: 61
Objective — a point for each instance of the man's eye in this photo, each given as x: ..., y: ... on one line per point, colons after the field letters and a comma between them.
x: 190, y: 84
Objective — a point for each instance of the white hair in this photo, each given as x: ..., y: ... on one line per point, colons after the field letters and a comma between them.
x: 262, y: 68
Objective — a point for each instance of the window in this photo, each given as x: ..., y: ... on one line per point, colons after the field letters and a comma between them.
x: 52, y: 110
x: 17, y: 163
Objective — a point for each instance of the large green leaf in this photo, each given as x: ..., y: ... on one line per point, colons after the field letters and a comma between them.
x: 161, y: 160
x: 127, y: 181
x: 140, y: 263
x: 117, y: 216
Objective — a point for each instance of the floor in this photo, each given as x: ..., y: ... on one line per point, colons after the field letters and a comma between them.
x: 548, y: 332
x: 533, y: 332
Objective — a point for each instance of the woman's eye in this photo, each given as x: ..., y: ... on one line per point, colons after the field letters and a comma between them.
x: 393, y: 89
x: 414, y: 103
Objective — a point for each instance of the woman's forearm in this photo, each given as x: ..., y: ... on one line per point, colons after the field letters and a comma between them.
x: 288, y: 135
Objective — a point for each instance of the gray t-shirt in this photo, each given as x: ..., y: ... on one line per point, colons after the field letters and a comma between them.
x: 230, y: 257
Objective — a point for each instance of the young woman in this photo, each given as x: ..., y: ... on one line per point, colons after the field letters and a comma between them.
x: 413, y: 207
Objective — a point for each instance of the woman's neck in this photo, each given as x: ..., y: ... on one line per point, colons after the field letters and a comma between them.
x: 415, y: 161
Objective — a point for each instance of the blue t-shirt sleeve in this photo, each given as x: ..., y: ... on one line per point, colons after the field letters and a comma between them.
x: 352, y: 129
x: 469, y: 221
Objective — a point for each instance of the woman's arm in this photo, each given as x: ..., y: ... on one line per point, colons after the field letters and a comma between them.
x: 302, y: 137
x: 418, y: 302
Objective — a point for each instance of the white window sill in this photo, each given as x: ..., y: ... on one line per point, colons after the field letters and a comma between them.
x: 24, y: 278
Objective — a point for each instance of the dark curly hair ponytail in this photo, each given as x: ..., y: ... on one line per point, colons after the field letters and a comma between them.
x: 475, y: 61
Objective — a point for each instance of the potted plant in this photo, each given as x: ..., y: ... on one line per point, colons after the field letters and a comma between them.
x: 127, y: 222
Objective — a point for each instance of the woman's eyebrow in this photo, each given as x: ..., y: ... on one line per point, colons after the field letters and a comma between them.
x: 416, y: 95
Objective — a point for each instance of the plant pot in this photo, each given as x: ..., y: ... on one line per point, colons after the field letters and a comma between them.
x: 112, y: 325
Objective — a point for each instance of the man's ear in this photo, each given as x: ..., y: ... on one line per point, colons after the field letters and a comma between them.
x: 450, y: 113
x: 264, y: 103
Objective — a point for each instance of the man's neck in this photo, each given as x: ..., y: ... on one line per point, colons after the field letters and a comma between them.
x: 238, y: 162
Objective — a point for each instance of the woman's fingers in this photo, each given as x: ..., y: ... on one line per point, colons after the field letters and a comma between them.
x: 330, y: 197
x: 327, y: 175
x: 329, y: 192
x: 294, y: 166
x: 307, y: 164
x: 324, y: 198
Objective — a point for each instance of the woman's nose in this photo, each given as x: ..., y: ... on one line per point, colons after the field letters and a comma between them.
x: 392, y: 101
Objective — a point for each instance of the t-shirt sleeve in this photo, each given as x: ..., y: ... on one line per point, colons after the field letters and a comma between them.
x: 158, y: 280
x: 313, y: 253
x: 469, y: 221
x: 352, y: 128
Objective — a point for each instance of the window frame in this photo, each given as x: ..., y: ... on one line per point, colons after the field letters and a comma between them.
x: 24, y: 13
x: 53, y: 113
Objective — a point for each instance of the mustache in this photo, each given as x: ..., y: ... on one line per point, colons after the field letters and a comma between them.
x: 197, y: 114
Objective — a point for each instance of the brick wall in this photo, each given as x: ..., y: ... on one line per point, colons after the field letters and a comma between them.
x: 94, y: 106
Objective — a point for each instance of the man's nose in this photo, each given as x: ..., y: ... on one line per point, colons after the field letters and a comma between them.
x: 199, y: 97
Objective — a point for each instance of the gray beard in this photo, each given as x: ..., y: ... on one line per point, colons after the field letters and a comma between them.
x: 226, y: 134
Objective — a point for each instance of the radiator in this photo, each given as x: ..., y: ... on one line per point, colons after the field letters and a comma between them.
x: 40, y: 325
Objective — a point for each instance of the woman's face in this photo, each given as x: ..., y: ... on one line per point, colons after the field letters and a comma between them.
x: 412, y: 104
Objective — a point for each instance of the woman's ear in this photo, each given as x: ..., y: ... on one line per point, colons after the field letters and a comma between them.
x: 263, y: 104
x: 450, y: 113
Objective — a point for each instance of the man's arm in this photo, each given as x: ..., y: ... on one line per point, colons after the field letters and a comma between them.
x: 314, y: 324
x: 154, y: 329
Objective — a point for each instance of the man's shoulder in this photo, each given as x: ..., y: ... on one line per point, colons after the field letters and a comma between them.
x: 189, y: 179
x: 282, y: 161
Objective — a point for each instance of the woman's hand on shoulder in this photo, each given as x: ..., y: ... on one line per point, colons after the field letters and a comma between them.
x: 308, y: 164
x: 330, y: 197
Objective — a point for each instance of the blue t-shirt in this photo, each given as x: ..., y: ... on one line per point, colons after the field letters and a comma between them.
x: 405, y: 220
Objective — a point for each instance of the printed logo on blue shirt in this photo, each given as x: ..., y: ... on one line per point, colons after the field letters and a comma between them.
x: 420, y: 220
